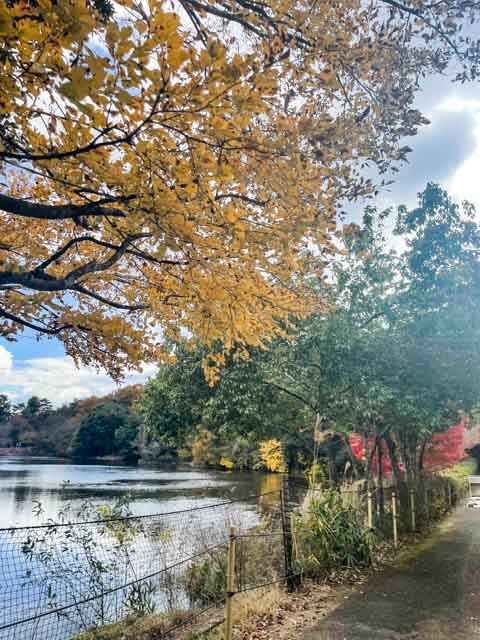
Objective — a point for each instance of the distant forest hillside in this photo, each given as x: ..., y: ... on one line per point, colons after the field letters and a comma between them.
x: 94, y: 427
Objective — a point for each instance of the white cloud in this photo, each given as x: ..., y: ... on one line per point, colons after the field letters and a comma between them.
x: 464, y: 184
x: 5, y: 362
x: 57, y: 379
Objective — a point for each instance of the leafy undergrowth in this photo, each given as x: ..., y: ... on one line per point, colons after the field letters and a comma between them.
x: 271, y: 612
x: 459, y: 473
x: 262, y: 614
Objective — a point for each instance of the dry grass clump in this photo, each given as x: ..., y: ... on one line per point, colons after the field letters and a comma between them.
x: 145, y: 628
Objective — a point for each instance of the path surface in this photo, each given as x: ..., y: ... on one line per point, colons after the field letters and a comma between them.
x: 432, y: 597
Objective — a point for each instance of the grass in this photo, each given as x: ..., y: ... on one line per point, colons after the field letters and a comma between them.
x: 145, y: 628
x: 247, y: 609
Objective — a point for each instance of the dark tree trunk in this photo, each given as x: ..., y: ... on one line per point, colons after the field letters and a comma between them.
x: 332, y: 470
x: 381, y: 495
x: 354, y: 462
x: 392, y: 452
x: 421, y: 457
x: 369, y: 454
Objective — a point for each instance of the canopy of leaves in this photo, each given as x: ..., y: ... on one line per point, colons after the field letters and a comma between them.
x: 170, y: 167
x: 106, y: 430
x: 399, y: 355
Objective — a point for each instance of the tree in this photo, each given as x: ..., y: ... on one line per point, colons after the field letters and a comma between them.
x: 180, y: 410
x: 36, y: 407
x: 104, y: 431
x: 126, y: 439
x: 397, y: 358
x: 167, y: 168
x: 171, y: 403
x: 5, y: 408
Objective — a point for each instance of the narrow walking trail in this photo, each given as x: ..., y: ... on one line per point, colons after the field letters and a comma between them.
x: 433, y: 596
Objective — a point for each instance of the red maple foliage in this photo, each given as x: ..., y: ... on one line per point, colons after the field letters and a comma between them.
x: 444, y: 450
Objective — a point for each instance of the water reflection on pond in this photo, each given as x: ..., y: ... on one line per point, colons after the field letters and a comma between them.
x: 25, y: 481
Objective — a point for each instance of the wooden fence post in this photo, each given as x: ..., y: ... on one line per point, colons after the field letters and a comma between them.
x: 412, y: 510
x: 395, y: 520
x: 230, y: 584
x: 370, y: 510
x: 287, y: 539
x: 427, y: 505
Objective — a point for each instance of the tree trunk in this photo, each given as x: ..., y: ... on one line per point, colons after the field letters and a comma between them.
x: 353, y: 460
x: 316, y: 430
x: 421, y: 457
x: 392, y: 452
x: 369, y: 474
x: 381, y: 495
x: 332, y: 470
x: 409, y: 455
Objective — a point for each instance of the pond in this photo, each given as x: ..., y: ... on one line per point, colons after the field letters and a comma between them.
x: 56, y: 581
x: 26, y: 481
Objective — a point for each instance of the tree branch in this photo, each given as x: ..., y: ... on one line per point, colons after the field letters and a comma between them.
x: 241, y: 196
x: 31, y: 325
x: 292, y: 394
x: 27, y: 209
x: 110, y: 303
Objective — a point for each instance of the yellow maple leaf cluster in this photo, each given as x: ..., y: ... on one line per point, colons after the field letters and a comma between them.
x: 165, y: 173
x: 272, y: 456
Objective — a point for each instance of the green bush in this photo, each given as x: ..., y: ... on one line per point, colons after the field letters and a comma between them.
x: 205, y: 579
x: 331, y: 534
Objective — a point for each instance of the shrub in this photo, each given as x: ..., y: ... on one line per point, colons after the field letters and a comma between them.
x: 272, y: 455
x: 203, y: 448
x: 331, y: 534
x: 205, y: 579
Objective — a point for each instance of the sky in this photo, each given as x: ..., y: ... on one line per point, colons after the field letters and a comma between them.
x: 447, y: 151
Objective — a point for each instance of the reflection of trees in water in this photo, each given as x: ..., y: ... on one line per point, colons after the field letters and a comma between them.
x: 21, y: 494
x: 271, y: 485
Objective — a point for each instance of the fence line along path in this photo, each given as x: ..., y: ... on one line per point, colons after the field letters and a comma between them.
x: 58, y: 579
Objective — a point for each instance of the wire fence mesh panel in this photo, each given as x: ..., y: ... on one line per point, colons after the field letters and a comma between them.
x: 61, y: 578
x: 93, y: 567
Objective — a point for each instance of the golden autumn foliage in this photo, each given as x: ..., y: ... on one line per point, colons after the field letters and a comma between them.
x: 170, y: 168
x: 272, y: 456
x: 226, y: 463
x: 203, y: 448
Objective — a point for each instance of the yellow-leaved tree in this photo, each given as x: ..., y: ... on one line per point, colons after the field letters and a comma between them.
x: 167, y: 165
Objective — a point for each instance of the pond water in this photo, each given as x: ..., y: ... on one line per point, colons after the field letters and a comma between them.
x: 24, y: 482
x: 57, y: 581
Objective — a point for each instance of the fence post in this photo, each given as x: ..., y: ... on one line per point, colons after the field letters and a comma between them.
x: 412, y: 510
x: 230, y: 584
x: 287, y: 538
x: 370, y: 510
x: 395, y: 520
x: 427, y: 505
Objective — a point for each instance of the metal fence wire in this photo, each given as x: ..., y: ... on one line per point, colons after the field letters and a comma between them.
x: 63, y: 578
x: 60, y: 579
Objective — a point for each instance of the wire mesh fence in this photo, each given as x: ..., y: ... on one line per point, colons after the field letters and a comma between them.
x: 417, y: 503
x: 61, y: 578
x: 91, y: 568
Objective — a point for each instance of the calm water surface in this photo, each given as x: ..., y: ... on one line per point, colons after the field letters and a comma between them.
x: 25, y: 481
x: 34, y: 564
